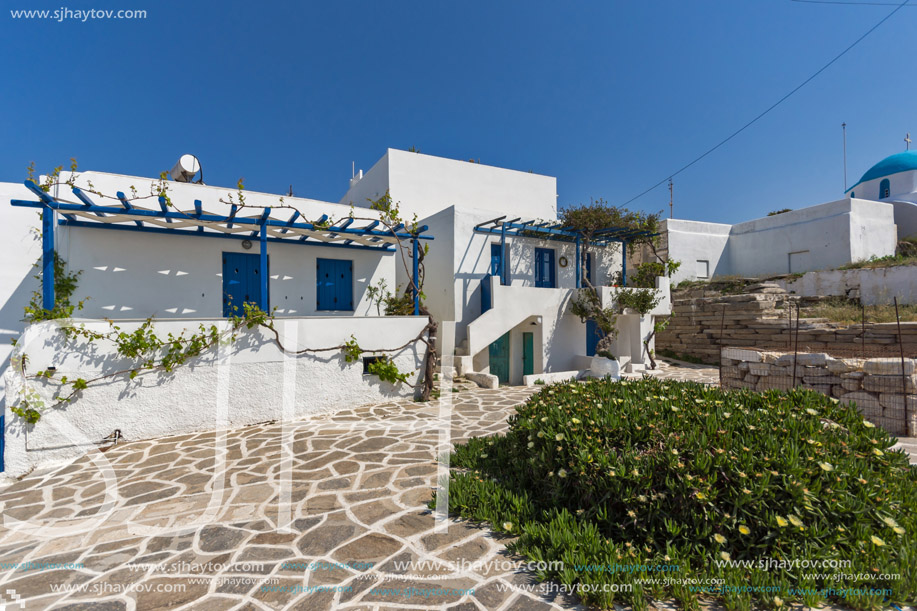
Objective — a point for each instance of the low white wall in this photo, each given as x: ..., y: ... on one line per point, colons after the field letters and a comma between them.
x: 240, y: 384
x: 877, y: 286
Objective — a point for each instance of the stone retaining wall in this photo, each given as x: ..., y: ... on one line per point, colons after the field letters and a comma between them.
x: 875, y: 385
x: 699, y: 327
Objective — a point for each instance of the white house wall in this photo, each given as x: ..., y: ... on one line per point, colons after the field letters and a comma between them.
x: 695, y: 244
x: 21, y: 239
x: 424, y: 184
x: 128, y: 274
x: 210, y: 393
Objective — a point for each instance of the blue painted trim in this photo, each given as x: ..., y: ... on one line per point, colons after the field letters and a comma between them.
x: 503, y: 256
x: 266, y: 213
x: 263, y: 302
x: 47, y: 259
x: 198, y: 211
x: 65, y: 207
x: 386, y: 249
x: 291, y: 221
x: 232, y: 214
x: 127, y: 206
x: 579, y: 282
x: 416, y: 278
x: 623, y: 263
x: 164, y: 206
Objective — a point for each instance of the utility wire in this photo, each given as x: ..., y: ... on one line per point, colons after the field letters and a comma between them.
x: 773, y: 106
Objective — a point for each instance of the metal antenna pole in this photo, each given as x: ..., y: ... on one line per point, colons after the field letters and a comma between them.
x: 671, y: 197
x: 844, y: 127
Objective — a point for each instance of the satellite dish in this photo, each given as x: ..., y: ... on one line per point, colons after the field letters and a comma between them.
x: 186, y: 169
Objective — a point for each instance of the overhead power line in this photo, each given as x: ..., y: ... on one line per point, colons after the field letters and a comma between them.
x: 772, y: 106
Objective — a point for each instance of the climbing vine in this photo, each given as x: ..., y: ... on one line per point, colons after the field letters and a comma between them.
x: 150, y: 352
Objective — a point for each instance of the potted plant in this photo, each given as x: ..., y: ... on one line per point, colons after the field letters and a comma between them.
x: 604, y: 364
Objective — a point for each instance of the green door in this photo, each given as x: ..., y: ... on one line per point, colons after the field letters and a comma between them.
x: 528, y: 354
x: 499, y: 359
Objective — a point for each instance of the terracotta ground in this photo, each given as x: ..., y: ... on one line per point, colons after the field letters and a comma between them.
x: 232, y: 521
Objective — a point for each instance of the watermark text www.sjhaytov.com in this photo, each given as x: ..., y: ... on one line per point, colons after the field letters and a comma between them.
x: 67, y: 14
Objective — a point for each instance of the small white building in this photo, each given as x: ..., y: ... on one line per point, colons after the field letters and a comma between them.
x: 878, y: 211
x: 498, y: 279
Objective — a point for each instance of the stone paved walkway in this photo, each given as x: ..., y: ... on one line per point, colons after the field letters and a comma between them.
x: 230, y: 520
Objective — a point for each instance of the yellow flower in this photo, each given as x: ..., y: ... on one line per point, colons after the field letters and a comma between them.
x: 778, y: 601
x: 811, y: 411
x: 869, y: 424
x: 890, y: 522
x: 612, y: 473
x: 719, y: 538
x: 796, y: 521
x: 507, y: 526
x: 531, y: 444
x: 636, y: 472
x: 726, y: 414
x: 826, y: 466
x: 725, y: 556
x: 744, y: 530
x: 632, y: 514
x: 781, y: 521
x: 701, y: 495
x: 562, y: 473
x: 898, y: 530
x: 559, y: 437
x: 878, y: 452
x: 877, y: 541
x: 540, y: 434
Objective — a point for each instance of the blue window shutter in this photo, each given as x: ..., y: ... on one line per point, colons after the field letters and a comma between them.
x: 334, y: 284
x: 884, y: 189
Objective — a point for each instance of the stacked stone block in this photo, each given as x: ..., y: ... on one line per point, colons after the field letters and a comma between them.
x: 876, y: 385
x: 699, y: 327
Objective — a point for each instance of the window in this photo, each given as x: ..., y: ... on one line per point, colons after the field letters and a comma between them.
x: 496, y: 259
x: 853, y: 195
x: 703, y: 268
x: 544, y: 268
x: 884, y: 189
x: 334, y: 284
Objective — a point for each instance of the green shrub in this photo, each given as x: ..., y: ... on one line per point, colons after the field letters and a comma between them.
x: 659, y: 472
x: 639, y: 300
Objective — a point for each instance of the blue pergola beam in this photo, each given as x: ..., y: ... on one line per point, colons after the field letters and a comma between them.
x: 198, y: 211
x: 127, y: 206
x: 416, y: 278
x: 164, y: 206
x: 142, y: 213
x: 264, y: 301
x: 47, y: 259
x: 291, y: 221
x: 261, y: 220
x: 387, y: 248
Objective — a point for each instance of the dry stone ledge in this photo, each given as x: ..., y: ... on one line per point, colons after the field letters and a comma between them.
x: 879, y: 397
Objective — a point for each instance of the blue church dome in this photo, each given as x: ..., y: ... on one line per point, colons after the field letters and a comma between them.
x: 899, y: 162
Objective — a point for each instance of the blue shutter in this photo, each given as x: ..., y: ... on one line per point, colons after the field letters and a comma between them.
x: 884, y: 189
x: 544, y: 268
x: 241, y: 281
x: 496, y: 260
x: 592, y: 337
x: 589, y: 268
x: 334, y: 284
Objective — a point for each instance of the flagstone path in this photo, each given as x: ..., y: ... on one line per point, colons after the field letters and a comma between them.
x: 322, y: 513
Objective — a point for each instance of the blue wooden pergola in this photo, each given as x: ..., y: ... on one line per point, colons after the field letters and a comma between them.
x: 558, y: 232
x: 128, y: 215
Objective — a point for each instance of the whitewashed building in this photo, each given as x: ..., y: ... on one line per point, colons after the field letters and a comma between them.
x: 877, y: 212
x: 499, y: 279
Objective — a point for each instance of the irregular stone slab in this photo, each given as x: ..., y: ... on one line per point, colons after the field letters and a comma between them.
x: 888, y: 366
x: 322, y: 539
x: 163, y: 593
x: 373, y: 547
x: 220, y: 538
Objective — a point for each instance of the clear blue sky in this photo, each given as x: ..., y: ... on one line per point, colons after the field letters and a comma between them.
x: 610, y: 96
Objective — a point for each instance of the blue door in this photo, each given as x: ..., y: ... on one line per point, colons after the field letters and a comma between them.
x: 496, y: 260
x: 241, y: 282
x: 592, y: 337
x: 499, y: 359
x: 334, y: 284
x: 544, y: 268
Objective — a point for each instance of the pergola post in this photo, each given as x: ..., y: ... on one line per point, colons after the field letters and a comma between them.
x: 47, y: 258
x: 503, y: 254
x: 416, y: 277
x: 623, y: 263
x: 263, y: 271
x: 579, y: 270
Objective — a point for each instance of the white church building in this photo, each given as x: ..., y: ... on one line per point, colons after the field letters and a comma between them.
x: 499, y: 276
x: 876, y: 212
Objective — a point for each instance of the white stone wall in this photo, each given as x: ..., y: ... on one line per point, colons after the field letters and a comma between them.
x: 424, y: 184
x: 244, y: 383
x: 877, y: 286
